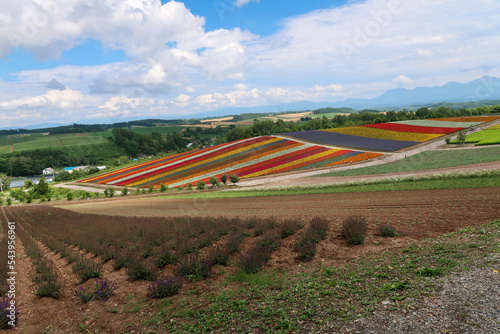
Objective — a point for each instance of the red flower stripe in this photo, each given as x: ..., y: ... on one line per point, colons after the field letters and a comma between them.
x: 283, y: 160
x: 138, y: 166
x: 261, y: 165
x: 412, y: 128
x: 326, y: 157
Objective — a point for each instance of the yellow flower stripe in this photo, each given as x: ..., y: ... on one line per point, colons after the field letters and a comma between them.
x: 217, y: 157
x: 494, y: 127
x: 292, y: 163
x: 368, y: 132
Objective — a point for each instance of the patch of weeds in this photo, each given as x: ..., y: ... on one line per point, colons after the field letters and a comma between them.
x: 393, y: 286
x: 410, y: 249
x: 428, y: 272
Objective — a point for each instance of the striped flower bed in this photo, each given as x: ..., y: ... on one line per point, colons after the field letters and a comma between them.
x: 371, y: 132
x: 390, y: 136
x: 246, y: 158
x: 350, y: 141
x: 439, y: 124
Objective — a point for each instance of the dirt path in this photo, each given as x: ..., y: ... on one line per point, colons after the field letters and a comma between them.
x: 300, y: 181
x: 11, y: 148
x: 60, y: 141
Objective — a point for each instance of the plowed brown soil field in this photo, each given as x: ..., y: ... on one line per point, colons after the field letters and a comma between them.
x: 418, y: 213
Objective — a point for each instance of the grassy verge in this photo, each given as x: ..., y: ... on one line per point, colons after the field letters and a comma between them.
x: 428, y: 160
x: 322, y: 297
x: 438, y: 181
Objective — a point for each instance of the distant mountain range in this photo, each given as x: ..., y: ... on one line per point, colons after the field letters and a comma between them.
x: 484, y: 88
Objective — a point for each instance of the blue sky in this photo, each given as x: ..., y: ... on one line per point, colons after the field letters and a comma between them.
x: 67, y: 61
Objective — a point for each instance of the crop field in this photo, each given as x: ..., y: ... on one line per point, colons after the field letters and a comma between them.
x: 229, y: 265
x: 490, y: 136
x: 77, y: 140
x: 391, y: 136
x: 159, y: 129
x: 245, y: 158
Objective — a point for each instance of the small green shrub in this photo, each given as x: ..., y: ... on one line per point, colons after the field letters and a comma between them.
x: 165, y: 287
x: 194, y: 267
x: 220, y: 255
x: 200, y: 185
x: 387, y: 230
x: 140, y: 269
x: 253, y: 261
x: 354, y: 229
x: 428, y: 272
x: 306, y: 250
x: 165, y: 257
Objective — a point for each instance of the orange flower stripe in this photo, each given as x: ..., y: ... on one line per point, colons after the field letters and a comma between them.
x: 359, y: 157
x: 369, y: 132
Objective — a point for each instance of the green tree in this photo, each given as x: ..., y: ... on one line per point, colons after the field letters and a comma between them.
x: 41, y: 188
x: 124, y: 191
x: 109, y: 192
x: 223, y: 178
x: 5, y: 181
x: 214, y: 182
x: 200, y: 185
x: 234, y: 178
x: 461, y: 137
x: 28, y: 183
x: 163, y: 188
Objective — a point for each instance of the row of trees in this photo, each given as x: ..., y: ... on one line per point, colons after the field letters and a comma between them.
x: 270, y: 127
x: 34, y: 161
x: 134, y: 143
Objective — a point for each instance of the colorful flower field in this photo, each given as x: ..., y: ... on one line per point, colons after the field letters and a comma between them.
x: 390, y: 136
x: 246, y: 158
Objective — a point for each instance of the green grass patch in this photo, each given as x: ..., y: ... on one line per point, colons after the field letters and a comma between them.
x: 37, y: 143
x: 484, y: 137
x: 428, y: 160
